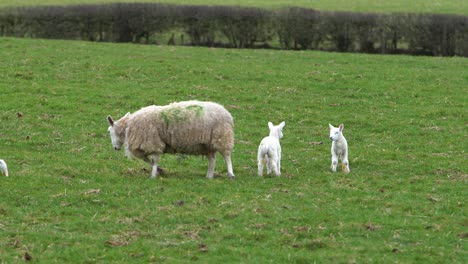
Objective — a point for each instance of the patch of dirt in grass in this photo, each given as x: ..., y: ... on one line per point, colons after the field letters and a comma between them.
x: 371, y: 227
x: 27, y: 256
x: 203, y: 247
x: 123, y: 239
x: 453, y: 174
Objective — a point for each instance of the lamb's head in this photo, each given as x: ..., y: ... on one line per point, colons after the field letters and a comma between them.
x: 276, y: 131
x: 336, y: 132
x: 117, y: 131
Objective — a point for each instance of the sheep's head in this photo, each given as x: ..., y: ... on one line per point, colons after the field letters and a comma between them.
x: 336, y: 132
x: 117, y: 131
x: 276, y: 131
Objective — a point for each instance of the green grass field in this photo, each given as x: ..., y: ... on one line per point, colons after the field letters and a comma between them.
x: 441, y: 6
x: 71, y: 198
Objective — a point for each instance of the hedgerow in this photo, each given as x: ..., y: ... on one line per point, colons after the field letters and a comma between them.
x: 243, y: 27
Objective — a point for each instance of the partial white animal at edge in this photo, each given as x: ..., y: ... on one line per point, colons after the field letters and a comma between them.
x: 339, y: 148
x: 269, y: 150
x: 3, y: 167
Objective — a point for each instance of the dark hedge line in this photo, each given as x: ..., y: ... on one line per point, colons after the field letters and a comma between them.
x: 243, y: 27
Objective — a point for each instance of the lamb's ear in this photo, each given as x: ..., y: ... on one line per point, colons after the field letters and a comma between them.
x: 331, y: 127
x: 270, y: 125
x: 341, y: 127
x: 127, y: 114
x: 282, y: 125
x: 109, y: 119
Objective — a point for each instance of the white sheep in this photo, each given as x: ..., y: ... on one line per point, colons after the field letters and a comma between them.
x: 339, y: 148
x: 3, y: 167
x: 190, y: 127
x: 269, y: 150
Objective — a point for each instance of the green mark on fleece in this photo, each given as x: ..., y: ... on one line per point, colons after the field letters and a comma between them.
x: 179, y: 114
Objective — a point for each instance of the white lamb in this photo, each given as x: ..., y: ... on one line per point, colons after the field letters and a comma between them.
x: 3, y: 167
x: 339, y: 148
x: 190, y: 127
x: 269, y: 150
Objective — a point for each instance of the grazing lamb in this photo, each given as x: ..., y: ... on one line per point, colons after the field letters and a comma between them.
x: 269, y: 150
x: 190, y: 127
x: 339, y: 148
x: 3, y: 167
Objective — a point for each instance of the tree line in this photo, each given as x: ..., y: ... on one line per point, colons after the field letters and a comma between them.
x: 243, y: 27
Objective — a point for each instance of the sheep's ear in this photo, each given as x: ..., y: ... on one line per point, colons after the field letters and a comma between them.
x: 127, y: 114
x: 109, y: 119
x: 270, y: 125
x: 331, y: 127
x: 341, y: 127
x: 282, y: 125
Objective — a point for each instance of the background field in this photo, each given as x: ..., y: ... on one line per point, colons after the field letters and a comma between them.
x: 72, y: 198
x: 441, y: 6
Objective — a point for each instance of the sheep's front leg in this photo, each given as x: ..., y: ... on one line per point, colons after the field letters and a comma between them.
x: 153, y: 161
x: 211, y: 165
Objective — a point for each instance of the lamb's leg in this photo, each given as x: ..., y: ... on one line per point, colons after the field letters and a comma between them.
x: 273, y: 163
x: 345, y: 166
x: 153, y: 160
x: 227, y: 159
x: 345, y: 163
x: 279, y: 163
x: 268, y: 164
x: 334, y: 162
x: 260, y: 163
x: 211, y: 165
x: 274, y: 167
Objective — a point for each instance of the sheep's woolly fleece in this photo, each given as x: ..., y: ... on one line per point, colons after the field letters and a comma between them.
x: 190, y: 127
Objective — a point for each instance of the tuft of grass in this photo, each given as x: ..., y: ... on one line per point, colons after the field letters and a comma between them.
x: 72, y: 198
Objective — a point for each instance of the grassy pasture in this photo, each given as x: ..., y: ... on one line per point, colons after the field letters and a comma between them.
x: 442, y: 6
x: 72, y: 198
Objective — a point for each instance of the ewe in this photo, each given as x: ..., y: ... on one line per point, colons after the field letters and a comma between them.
x: 3, y: 167
x: 190, y: 127
x: 339, y: 148
x: 269, y: 150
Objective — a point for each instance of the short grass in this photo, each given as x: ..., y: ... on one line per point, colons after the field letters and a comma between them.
x: 424, y: 6
x: 72, y: 198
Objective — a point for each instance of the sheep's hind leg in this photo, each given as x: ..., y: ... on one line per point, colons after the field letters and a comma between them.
x: 211, y: 165
x: 227, y: 159
x: 153, y: 161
